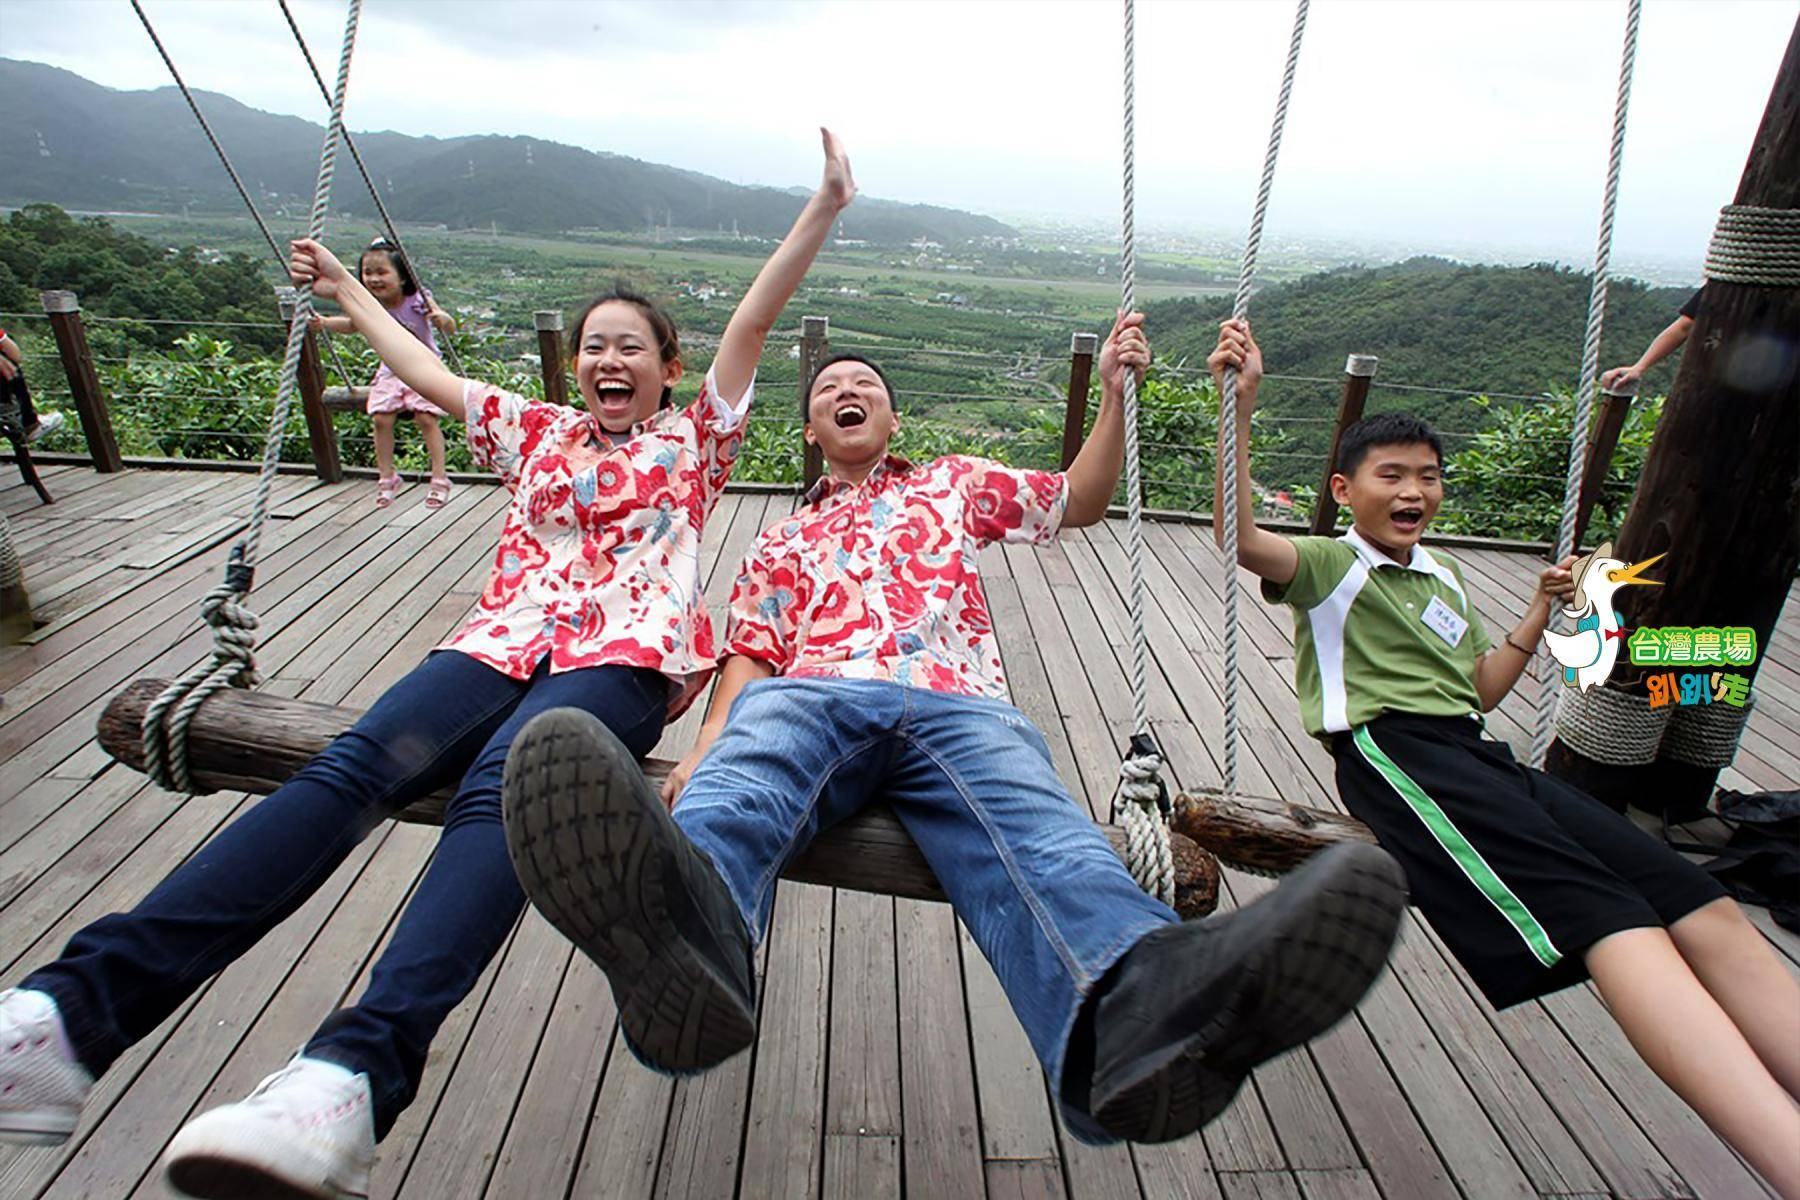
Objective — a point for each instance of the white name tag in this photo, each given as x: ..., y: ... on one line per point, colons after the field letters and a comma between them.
x: 1443, y: 620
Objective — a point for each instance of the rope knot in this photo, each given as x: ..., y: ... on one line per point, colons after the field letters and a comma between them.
x: 1142, y: 809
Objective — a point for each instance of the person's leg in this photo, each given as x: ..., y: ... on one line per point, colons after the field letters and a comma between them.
x: 384, y: 443
x: 433, y: 433
x: 668, y: 906
x: 1738, y: 966
x: 1693, y: 1044
x: 122, y: 975
x: 1146, y: 1027
x: 469, y: 898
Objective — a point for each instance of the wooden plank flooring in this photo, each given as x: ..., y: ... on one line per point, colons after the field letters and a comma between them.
x: 887, y: 1062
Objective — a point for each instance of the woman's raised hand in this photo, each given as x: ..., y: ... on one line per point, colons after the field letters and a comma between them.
x: 309, y: 262
x: 838, y: 186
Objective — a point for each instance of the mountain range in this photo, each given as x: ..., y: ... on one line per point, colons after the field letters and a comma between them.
x: 76, y: 143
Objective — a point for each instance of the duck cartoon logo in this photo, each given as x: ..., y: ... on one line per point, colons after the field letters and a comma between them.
x: 1587, y: 655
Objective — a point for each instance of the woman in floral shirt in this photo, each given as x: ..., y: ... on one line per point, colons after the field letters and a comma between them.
x: 594, y: 603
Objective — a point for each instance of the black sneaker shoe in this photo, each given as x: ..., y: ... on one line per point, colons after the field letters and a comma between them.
x: 1193, y: 1008
x: 600, y: 857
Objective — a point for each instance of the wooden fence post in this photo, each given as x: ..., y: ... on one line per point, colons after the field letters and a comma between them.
x: 1359, y: 369
x: 1081, y: 369
x: 1615, y: 406
x: 815, y: 344
x: 549, y: 324
x: 320, y: 432
x: 64, y: 311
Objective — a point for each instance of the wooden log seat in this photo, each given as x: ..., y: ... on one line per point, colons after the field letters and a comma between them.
x: 252, y: 741
x: 351, y: 399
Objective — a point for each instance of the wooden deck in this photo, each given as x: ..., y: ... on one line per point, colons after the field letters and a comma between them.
x: 888, y: 1062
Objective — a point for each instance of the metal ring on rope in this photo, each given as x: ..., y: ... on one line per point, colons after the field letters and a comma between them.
x: 1590, y: 368
x: 233, y: 659
x: 1758, y: 247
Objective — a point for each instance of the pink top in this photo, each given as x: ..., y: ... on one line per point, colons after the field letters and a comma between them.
x: 414, y: 314
x: 878, y: 580
x: 599, y: 558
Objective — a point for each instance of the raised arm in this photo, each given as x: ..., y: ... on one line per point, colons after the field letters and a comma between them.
x: 741, y: 347
x: 1267, y: 554
x: 1661, y: 346
x: 738, y: 673
x: 1095, y: 472
x: 405, y: 355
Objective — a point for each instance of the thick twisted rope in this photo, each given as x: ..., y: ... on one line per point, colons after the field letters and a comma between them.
x: 1228, y: 447
x: 387, y: 222
x: 1590, y: 370
x: 225, y: 161
x: 1758, y: 247
x: 1142, y: 800
x: 233, y: 659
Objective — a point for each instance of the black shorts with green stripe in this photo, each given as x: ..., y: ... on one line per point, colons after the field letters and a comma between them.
x: 1518, y: 872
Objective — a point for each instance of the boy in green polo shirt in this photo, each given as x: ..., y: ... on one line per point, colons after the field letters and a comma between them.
x: 1532, y: 884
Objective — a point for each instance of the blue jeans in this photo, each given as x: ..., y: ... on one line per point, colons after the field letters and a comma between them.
x: 451, y: 718
x: 1028, y: 871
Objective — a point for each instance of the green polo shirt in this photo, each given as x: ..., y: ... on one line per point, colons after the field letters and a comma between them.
x: 1373, y: 636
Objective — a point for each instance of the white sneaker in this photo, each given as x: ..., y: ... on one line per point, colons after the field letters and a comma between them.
x: 306, y: 1131
x: 48, y: 423
x: 42, y: 1085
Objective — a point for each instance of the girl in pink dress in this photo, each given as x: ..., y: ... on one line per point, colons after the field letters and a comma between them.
x: 390, y: 279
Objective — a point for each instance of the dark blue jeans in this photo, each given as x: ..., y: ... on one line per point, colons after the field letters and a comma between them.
x: 451, y: 718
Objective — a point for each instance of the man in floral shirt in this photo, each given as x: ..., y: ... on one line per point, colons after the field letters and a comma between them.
x: 861, y: 664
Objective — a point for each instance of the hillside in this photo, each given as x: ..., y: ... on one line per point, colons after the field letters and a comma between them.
x: 1433, y: 323
x: 72, y: 142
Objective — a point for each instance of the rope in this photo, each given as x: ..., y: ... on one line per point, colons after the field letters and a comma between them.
x: 356, y: 156
x: 233, y: 660
x: 225, y: 161
x: 1706, y: 735
x: 1590, y: 369
x: 1609, y: 726
x: 1755, y: 246
x: 1142, y: 802
x: 1228, y: 407
x: 12, y: 572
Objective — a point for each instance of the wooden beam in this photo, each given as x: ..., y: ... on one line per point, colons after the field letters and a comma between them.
x: 1720, y: 489
x: 64, y: 311
x: 1081, y: 370
x: 549, y: 324
x: 321, y: 435
x: 815, y: 344
x: 1359, y: 371
x: 253, y: 741
x: 1602, y: 442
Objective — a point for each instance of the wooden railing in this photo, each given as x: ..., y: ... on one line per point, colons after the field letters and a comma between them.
x: 319, y: 402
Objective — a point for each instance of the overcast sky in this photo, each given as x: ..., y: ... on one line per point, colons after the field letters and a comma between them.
x: 1454, y: 122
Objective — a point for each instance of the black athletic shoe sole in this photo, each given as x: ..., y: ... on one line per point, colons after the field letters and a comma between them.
x: 208, y: 1178
x: 600, y: 857
x: 1324, y: 947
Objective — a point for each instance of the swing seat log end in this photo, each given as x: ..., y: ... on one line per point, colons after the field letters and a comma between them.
x: 252, y: 742
x: 1267, y: 837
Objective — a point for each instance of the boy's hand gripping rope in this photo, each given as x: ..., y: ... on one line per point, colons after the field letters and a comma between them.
x: 233, y: 659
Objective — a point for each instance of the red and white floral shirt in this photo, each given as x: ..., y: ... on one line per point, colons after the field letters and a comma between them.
x: 598, y: 561
x: 878, y: 580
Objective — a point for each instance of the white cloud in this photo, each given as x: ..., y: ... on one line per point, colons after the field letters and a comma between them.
x: 1484, y: 121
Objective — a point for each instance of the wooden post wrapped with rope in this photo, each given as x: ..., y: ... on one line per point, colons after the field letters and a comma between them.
x: 1730, y: 432
x: 64, y: 311
x: 549, y: 324
x: 253, y: 741
x: 1359, y: 373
